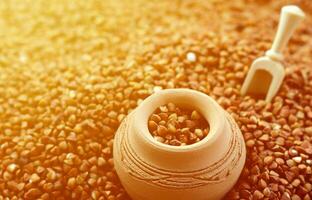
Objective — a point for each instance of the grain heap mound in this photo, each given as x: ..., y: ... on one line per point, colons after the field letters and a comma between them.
x: 177, y: 126
x: 70, y: 72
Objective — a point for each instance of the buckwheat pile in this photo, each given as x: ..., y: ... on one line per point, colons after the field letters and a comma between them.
x: 71, y: 71
x: 177, y: 126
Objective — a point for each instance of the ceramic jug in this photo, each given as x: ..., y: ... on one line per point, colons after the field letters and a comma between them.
x: 150, y: 170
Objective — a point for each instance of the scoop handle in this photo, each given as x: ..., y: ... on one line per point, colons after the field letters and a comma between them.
x: 290, y: 18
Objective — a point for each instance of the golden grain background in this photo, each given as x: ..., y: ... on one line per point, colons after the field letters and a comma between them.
x: 70, y: 71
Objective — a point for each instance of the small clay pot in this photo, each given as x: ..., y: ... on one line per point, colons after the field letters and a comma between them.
x: 150, y: 170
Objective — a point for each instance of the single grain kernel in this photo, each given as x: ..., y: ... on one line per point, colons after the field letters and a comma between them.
x: 34, y: 178
x: 162, y: 130
x: 152, y: 125
x: 101, y: 162
x: 12, y: 168
x: 32, y: 193
x: 71, y: 183
x: 268, y: 160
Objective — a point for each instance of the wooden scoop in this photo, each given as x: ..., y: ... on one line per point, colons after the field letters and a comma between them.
x: 266, y: 73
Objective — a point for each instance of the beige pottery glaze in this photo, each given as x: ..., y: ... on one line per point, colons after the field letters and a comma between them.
x: 150, y: 170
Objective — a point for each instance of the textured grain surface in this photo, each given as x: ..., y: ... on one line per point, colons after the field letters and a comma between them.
x: 178, y: 126
x: 71, y: 70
